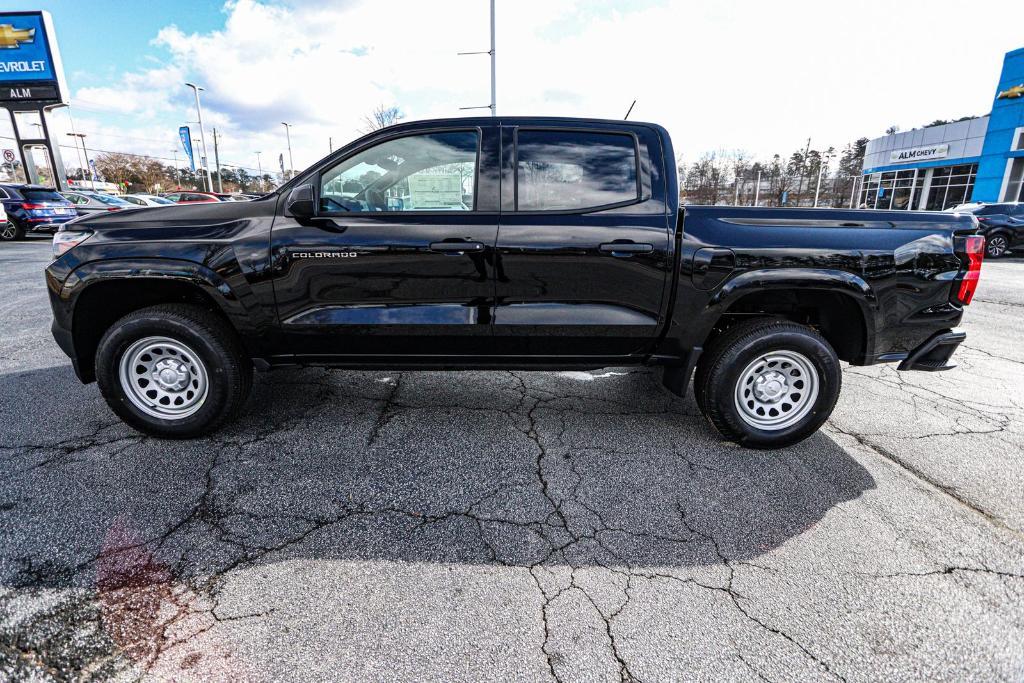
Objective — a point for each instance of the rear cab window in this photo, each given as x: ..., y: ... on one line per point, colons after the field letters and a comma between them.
x: 569, y: 170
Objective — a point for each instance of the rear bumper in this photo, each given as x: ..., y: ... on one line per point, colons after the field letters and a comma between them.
x: 934, y: 354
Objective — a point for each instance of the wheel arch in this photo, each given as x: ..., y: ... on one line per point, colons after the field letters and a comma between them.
x: 100, y: 293
x: 840, y: 305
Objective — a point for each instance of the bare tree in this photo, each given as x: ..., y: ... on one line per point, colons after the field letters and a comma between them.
x: 381, y: 117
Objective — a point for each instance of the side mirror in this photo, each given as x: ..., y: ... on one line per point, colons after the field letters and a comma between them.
x: 300, y: 202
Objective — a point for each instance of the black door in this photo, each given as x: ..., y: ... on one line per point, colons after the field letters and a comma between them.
x: 583, y: 242
x: 398, y: 260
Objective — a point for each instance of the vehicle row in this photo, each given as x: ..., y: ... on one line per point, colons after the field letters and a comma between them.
x: 36, y: 209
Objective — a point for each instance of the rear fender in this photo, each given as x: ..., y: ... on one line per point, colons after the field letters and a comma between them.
x: 800, y: 279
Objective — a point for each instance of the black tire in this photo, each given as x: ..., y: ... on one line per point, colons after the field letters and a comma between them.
x: 11, y: 232
x: 228, y: 372
x: 996, y: 245
x: 729, y: 357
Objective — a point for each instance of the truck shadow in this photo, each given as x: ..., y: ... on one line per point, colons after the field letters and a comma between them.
x: 599, y: 469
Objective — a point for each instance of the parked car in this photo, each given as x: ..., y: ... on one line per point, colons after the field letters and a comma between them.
x: 189, y: 197
x: 1002, y: 225
x: 33, y: 208
x: 95, y: 202
x: 146, y: 200
x: 571, y: 252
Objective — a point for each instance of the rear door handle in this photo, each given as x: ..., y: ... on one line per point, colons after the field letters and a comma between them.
x: 456, y: 247
x: 626, y: 248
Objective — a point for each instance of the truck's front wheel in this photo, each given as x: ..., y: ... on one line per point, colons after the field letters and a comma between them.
x: 173, y: 371
x: 768, y: 383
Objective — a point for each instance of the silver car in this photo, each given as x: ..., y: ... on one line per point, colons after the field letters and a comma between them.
x: 95, y: 202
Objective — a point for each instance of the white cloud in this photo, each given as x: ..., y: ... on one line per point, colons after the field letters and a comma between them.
x: 752, y: 75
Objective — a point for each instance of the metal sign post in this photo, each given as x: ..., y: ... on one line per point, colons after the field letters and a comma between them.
x: 32, y: 84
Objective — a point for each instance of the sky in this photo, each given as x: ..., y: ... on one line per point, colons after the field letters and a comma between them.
x: 720, y: 75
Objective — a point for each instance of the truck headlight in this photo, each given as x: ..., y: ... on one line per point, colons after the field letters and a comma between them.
x: 66, y: 240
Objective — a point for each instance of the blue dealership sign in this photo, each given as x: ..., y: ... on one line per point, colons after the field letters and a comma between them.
x: 186, y: 141
x: 30, y: 66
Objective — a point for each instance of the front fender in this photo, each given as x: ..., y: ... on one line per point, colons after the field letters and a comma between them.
x: 141, y: 269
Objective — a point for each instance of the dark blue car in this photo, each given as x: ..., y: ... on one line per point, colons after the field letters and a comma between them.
x: 33, y: 208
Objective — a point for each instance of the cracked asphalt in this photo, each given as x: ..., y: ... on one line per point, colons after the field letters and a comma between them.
x: 575, y: 526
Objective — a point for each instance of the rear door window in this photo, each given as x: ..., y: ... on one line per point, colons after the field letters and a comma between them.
x: 564, y: 170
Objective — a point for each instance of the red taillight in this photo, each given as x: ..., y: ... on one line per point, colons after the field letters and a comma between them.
x: 975, y: 250
x: 983, y: 218
x: 113, y: 208
x: 27, y: 205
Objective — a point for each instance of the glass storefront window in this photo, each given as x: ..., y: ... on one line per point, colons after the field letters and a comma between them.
x: 951, y: 185
x: 1015, y: 182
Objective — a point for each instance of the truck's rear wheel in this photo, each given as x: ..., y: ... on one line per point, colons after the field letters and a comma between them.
x: 173, y: 371
x: 768, y: 383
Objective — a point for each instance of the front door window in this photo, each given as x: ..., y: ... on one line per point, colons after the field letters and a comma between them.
x: 430, y: 172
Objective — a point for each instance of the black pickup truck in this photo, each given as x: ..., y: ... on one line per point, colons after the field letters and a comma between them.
x: 524, y: 243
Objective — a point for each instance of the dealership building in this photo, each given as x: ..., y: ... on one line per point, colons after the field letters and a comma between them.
x: 936, y: 168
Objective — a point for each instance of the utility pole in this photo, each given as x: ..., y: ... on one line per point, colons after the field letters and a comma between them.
x: 177, y: 171
x: 202, y: 132
x: 493, y: 106
x: 216, y: 159
x: 291, y: 164
x: 494, y: 75
x: 821, y: 169
x: 259, y: 165
x: 330, y: 145
x: 88, y: 164
x: 757, y: 187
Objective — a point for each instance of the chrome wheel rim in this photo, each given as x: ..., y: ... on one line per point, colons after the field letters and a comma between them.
x: 164, y: 378
x: 776, y: 390
x: 8, y: 232
x: 996, y: 246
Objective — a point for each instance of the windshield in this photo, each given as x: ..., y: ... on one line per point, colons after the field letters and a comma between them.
x: 159, y: 200
x: 42, y: 196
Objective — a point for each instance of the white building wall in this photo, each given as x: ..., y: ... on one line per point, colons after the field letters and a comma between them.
x: 965, y: 139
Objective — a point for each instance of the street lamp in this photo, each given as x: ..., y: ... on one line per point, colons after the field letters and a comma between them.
x: 291, y: 164
x: 88, y: 164
x: 259, y: 165
x: 202, y: 132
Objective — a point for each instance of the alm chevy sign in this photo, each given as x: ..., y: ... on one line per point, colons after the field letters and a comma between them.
x: 903, y: 156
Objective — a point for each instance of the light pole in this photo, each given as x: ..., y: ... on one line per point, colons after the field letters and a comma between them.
x: 202, y: 132
x: 88, y: 164
x: 259, y: 166
x: 291, y: 164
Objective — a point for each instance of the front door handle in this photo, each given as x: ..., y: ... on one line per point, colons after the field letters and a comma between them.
x: 626, y: 248
x: 454, y: 247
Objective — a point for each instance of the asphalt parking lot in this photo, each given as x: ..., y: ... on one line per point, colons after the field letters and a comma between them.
x: 513, y: 525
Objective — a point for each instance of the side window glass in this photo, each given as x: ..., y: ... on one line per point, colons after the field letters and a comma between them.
x: 567, y: 170
x: 430, y: 172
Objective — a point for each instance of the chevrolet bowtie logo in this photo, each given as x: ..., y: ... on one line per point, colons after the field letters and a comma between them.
x: 1013, y: 93
x: 11, y: 38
